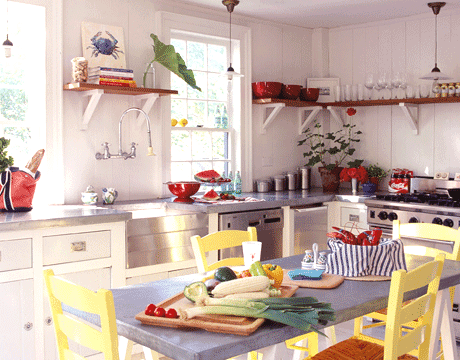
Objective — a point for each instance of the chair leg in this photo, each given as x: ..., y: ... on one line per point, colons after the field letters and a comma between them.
x: 149, y: 354
x: 303, y: 344
x: 125, y: 348
x: 331, y: 338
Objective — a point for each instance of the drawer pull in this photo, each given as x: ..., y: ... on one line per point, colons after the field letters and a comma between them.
x: 78, y: 246
x: 28, y: 326
x: 48, y: 320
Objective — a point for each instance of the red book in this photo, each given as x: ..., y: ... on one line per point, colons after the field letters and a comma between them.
x: 114, y: 83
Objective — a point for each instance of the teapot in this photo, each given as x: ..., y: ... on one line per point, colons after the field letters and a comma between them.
x: 109, y: 195
x: 89, y: 197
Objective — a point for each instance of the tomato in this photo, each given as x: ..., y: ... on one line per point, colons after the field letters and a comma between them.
x: 159, y: 311
x: 171, y: 313
x: 245, y: 273
x: 150, y: 309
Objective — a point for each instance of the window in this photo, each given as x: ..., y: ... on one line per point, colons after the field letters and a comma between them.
x: 206, y: 142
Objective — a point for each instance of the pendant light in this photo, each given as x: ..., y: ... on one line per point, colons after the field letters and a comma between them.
x: 435, y: 73
x: 7, y: 44
x: 231, y: 73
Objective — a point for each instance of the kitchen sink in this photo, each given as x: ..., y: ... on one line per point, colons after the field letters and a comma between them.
x: 144, y: 210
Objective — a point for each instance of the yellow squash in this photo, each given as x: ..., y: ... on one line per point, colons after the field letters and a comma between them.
x: 274, y: 272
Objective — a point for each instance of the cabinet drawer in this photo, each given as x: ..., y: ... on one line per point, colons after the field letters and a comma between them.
x: 15, y: 254
x: 353, y: 215
x: 67, y: 248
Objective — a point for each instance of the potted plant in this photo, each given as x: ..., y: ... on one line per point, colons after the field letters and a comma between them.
x: 5, y: 160
x: 330, y: 150
x: 376, y: 173
x: 355, y: 175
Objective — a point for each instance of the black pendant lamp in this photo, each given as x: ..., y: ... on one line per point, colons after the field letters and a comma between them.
x: 231, y: 73
x: 7, y: 44
x: 435, y: 73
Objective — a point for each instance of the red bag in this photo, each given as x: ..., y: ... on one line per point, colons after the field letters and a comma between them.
x: 17, y: 189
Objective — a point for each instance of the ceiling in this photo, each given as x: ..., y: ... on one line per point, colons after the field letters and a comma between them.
x: 326, y: 13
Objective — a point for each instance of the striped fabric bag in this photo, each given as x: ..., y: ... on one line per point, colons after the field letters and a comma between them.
x: 354, y: 260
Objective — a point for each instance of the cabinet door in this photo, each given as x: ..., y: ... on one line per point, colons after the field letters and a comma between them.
x: 17, y: 320
x: 90, y: 279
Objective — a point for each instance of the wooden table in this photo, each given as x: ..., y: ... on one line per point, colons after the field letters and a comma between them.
x: 350, y: 300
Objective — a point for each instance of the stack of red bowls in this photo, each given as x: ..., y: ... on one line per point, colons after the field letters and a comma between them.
x: 310, y: 94
x: 266, y: 89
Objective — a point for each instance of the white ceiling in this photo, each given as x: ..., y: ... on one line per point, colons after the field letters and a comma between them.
x: 327, y: 13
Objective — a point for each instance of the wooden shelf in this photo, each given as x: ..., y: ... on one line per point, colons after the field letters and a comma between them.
x: 95, y: 91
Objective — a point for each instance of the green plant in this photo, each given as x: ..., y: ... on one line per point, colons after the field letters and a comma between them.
x: 5, y: 160
x: 375, y: 171
x: 166, y: 55
x: 332, y: 148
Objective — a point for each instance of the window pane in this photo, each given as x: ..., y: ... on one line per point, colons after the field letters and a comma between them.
x: 180, y: 146
x: 181, y: 171
x: 217, y: 115
x: 219, y: 145
x: 179, y: 46
x: 13, y: 104
x: 217, y: 87
x: 178, y: 109
x: 201, y: 145
x: 180, y: 85
x: 217, y: 58
x: 196, y: 113
x: 196, y: 56
x: 20, y: 144
x: 201, y: 82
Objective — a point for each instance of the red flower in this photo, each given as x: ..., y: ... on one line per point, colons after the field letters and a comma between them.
x: 359, y: 173
x: 344, y: 175
x: 351, y: 111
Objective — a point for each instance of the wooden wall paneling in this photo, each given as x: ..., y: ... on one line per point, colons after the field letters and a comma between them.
x: 267, y: 57
x: 359, y: 55
x: 412, y: 52
x: 341, y: 62
x: 446, y: 145
x: 445, y: 46
x: 398, y: 47
x: 455, y: 49
x: 385, y: 47
x: 297, y: 56
x: 384, y: 140
x: 427, y: 46
x: 372, y: 51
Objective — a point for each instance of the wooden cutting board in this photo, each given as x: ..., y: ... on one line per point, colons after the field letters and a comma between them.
x: 227, y: 324
x: 327, y: 281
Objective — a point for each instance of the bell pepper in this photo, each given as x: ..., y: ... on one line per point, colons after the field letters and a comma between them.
x: 256, y: 269
x: 274, y: 272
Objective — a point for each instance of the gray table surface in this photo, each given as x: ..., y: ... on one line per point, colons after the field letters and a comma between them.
x: 350, y: 300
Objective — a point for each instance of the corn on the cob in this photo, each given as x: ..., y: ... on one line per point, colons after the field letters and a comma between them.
x: 241, y: 285
x: 248, y: 295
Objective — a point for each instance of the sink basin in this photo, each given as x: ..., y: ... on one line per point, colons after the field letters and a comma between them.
x: 145, y: 210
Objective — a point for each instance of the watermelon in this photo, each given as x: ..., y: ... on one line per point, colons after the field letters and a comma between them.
x: 211, y: 195
x: 208, y: 176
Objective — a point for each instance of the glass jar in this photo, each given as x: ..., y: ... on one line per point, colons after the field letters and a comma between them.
x: 149, y: 77
x: 457, y: 89
x: 451, y: 92
x: 444, y: 90
x: 79, y: 69
x: 437, y: 90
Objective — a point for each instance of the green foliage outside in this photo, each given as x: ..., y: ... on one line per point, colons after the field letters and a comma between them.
x: 5, y: 160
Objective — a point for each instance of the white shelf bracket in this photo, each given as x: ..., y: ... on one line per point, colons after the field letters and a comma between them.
x: 412, y: 118
x: 95, y: 96
x: 269, y: 118
x: 336, y: 115
x: 149, y: 101
x: 304, y: 123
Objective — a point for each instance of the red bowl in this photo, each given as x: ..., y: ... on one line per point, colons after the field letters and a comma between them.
x: 291, y: 92
x: 266, y: 89
x: 184, y: 189
x: 310, y: 94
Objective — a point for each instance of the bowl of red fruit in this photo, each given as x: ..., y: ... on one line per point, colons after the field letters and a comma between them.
x: 184, y: 190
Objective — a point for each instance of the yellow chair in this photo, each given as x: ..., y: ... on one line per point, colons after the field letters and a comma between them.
x: 418, y: 231
x: 397, y: 345
x: 66, y: 327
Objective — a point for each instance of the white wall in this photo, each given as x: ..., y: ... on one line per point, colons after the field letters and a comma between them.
x: 279, y: 53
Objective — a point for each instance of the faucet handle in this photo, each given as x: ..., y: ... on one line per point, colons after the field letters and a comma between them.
x: 150, y: 151
x: 106, y: 144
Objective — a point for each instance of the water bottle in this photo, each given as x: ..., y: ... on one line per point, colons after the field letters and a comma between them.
x: 230, y: 183
x: 238, y: 183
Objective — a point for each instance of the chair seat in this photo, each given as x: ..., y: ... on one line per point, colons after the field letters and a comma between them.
x: 355, y: 349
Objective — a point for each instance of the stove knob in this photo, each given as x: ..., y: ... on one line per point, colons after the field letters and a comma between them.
x: 383, y: 215
x: 448, y: 222
x: 437, y: 220
x: 392, y: 216
x: 413, y: 219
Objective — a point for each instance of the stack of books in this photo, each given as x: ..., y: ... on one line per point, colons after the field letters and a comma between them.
x: 111, y: 76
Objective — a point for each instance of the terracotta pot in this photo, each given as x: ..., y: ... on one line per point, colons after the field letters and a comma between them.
x: 330, y: 178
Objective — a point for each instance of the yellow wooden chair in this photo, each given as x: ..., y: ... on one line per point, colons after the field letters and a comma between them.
x: 397, y: 345
x: 66, y: 327
x: 418, y: 231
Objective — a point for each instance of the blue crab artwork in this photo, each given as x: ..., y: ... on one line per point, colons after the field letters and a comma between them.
x: 104, y: 46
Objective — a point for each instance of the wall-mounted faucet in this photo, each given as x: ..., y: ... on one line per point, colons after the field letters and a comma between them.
x: 107, y: 155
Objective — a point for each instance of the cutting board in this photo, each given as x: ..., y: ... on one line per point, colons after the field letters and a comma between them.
x: 227, y: 324
x: 327, y: 281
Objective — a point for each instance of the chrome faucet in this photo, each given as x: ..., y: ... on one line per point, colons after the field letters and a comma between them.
x: 107, y: 155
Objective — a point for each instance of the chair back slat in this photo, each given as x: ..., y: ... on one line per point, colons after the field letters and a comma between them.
x: 80, y: 332
x: 415, y: 309
x: 423, y: 276
x: 411, y: 341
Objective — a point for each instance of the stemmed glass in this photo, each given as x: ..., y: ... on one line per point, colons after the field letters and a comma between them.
x: 383, y: 83
x: 369, y: 84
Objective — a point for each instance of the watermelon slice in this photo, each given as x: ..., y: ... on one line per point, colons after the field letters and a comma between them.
x: 208, y: 176
x: 211, y: 195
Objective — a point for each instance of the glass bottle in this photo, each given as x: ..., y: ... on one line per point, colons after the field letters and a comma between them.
x: 238, y: 183
x: 230, y: 183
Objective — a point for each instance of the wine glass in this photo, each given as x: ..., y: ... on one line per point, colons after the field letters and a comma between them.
x: 403, y: 79
x: 396, y: 80
x: 370, y: 83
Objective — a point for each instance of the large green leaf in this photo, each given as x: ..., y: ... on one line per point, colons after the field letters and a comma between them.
x: 166, y: 55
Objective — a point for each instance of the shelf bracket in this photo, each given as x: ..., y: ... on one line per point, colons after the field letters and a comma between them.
x: 95, y: 96
x: 412, y: 118
x: 270, y: 117
x: 336, y: 115
x: 149, y: 101
x: 313, y: 112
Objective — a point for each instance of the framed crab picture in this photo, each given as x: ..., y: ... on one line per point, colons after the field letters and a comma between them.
x: 103, y: 45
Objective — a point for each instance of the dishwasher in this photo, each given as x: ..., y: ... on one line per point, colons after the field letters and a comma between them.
x: 310, y: 226
x: 269, y: 224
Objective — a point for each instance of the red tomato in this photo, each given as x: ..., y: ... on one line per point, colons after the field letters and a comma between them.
x: 245, y: 273
x: 149, y: 310
x: 171, y: 313
x: 159, y: 311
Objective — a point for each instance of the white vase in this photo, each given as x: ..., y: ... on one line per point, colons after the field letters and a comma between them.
x: 354, y: 186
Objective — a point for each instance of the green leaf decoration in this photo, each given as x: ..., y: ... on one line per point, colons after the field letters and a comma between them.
x: 166, y: 55
x: 5, y: 160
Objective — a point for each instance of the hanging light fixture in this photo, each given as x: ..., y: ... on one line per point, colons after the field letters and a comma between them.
x: 231, y: 73
x: 7, y: 44
x: 435, y: 73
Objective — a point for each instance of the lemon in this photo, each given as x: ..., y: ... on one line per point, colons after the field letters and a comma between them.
x: 183, y: 122
x: 174, y: 122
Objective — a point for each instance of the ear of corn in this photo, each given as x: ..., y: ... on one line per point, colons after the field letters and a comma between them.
x: 241, y: 285
x: 248, y: 295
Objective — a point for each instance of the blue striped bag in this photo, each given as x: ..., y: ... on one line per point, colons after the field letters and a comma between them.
x: 355, y: 260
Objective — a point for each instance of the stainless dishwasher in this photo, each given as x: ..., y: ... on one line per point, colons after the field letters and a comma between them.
x: 269, y: 224
x: 310, y: 226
